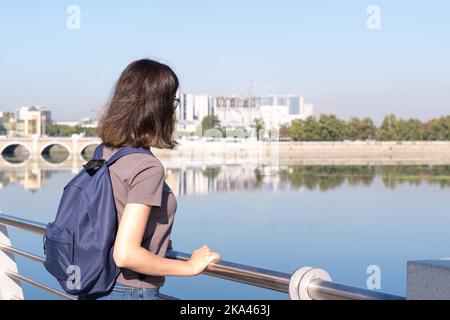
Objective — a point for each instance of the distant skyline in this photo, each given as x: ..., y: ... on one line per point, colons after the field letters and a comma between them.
x: 321, y: 49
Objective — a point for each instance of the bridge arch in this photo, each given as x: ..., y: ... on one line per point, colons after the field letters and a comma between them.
x: 46, y: 148
x: 55, y: 143
x: 85, y: 146
x: 10, y: 147
x: 15, y: 143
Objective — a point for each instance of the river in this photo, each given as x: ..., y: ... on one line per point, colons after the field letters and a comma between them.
x: 343, y: 219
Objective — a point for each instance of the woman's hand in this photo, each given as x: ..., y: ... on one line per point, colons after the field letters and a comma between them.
x: 201, y: 258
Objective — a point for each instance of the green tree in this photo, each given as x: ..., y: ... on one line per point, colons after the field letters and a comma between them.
x: 411, y: 129
x: 51, y: 130
x: 312, y: 132
x: 285, y: 131
x: 57, y: 130
x: 331, y: 128
x: 357, y: 129
x: 389, y: 128
x: 297, y: 130
x: 90, y: 132
x: 258, y: 124
x: 210, y: 122
x: 438, y: 129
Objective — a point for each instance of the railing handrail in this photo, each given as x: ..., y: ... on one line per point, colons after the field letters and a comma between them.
x: 265, y: 278
x: 260, y: 277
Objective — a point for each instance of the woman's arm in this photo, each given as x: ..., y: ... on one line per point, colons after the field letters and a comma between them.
x: 129, y: 253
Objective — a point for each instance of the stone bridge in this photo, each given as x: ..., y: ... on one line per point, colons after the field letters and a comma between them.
x: 37, y: 146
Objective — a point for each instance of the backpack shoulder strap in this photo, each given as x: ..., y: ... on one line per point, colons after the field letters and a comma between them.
x: 124, y: 151
x: 98, y: 153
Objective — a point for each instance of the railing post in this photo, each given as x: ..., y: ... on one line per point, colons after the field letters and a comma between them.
x: 428, y: 279
x: 302, y: 278
x: 9, y: 288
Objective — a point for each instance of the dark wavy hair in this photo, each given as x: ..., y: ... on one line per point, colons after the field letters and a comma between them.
x: 141, y: 111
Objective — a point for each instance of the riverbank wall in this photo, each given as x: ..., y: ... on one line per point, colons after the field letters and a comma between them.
x: 311, y: 153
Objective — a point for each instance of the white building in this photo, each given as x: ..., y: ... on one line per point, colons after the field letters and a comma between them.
x: 236, y: 112
x: 82, y: 123
x: 32, y: 121
x: 276, y: 110
x: 192, y: 109
x: 240, y: 112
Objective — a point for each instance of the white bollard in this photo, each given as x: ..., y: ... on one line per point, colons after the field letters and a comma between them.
x: 300, y: 280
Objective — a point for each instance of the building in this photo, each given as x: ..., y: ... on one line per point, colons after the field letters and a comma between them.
x: 82, y: 123
x: 29, y: 121
x: 192, y: 109
x: 7, y: 123
x: 71, y: 123
x: 237, y: 112
x: 87, y: 122
x: 32, y: 121
x: 276, y: 110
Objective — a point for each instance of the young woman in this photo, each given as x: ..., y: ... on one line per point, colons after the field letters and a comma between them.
x: 141, y: 113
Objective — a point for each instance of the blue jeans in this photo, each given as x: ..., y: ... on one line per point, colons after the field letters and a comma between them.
x: 122, y: 292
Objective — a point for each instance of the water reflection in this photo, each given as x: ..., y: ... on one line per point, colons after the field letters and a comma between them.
x: 234, y: 178
x: 330, y: 177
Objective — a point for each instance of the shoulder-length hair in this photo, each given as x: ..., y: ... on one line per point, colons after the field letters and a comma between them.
x: 141, y: 111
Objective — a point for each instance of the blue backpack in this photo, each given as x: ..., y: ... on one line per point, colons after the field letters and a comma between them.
x: 78, y: 245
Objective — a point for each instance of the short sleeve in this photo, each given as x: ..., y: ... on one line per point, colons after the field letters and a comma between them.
x: 146, y: 186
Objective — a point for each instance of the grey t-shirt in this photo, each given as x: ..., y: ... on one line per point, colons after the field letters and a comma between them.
x: 139, y: 178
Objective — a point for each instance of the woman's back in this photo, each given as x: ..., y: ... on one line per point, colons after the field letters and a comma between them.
x: 139, y: 178
x: 141, y: 113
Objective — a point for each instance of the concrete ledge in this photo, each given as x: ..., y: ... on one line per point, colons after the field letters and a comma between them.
x: 428, y: 280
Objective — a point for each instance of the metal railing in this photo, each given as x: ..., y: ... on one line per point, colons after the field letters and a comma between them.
x: 306, y: 283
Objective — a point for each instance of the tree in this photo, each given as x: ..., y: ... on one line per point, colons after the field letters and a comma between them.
x: 285, y: 131
x: 411, y: 129
x: 210, y: 122
x: 438, y: 129
x: 297, y: 129
x: 312, y: 132
x: 331, y: 128
x: 88, y: 132
x: 258, y: 124
x: 389, y: 128
x: 357, y: 129
x: 57, y: 130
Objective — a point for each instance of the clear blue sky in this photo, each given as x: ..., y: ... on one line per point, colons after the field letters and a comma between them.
x: 321, y: 49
